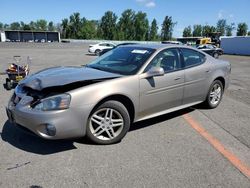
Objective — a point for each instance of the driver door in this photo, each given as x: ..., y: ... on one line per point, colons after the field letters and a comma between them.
x: 160, y: 93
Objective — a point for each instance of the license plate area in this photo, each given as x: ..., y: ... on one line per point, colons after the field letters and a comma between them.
x: 18, y: 78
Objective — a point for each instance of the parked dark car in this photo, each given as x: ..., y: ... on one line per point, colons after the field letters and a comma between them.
x: 211, y: 50
x: 122, y: 44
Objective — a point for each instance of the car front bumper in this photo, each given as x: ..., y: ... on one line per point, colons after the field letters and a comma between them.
x: 59, y: 124
x: 91, y: 50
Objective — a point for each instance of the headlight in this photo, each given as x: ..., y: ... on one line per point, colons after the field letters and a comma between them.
x: 56, y: 102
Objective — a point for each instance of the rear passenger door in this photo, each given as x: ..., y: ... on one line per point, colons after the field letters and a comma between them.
x: 195, y: 75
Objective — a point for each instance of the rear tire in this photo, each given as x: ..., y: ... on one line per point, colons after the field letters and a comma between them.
x: 97, y: 52
x: 108, y: 123
x: 214, y: 95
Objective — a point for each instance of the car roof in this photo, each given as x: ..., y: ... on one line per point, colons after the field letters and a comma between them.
x: 157, y: 46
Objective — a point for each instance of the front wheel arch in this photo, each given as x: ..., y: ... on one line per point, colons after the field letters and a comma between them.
x: 126, y: 101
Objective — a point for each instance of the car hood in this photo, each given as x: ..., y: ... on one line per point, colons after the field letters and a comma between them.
x: 59, y: 76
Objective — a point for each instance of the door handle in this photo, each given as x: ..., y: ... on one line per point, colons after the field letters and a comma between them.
x: 207, y: 71
x: 178, y: 78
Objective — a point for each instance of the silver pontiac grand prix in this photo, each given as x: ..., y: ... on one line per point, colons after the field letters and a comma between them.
x: 128, y: 84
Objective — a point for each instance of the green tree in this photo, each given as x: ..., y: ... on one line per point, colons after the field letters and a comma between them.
x: 41, y: 25
x: 167, y: 28
x: 187, y: 32
x: 221, y: 26
x: 248, y: 33
x: 242, y: 29
x: 126, y: 28
x: 207, y: 30
x: 51, y: 26
x: 15, y: 26
x: 229, y: 29
x: 197, y: 30
x: 22, y: 25
x: 153, y: 31
x: 88, y: 29
x: 58, y: 28
x: 107, y: 26
x: 1, y: 25
x: 6, y: 26
x: 75, y: 25
x: 141, y: 26
x: 65, y: 28
x: 26, y: 27
x: 33, y: 25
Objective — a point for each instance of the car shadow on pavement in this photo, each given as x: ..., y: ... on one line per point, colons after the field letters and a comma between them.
x: 89, y: 54
x: 34, y: 144
x: 27, y: 142
x: 159, y: 119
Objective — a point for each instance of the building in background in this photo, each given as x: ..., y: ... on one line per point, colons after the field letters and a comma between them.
x: 30, y: 36
x: 236, y: 45
x: 2, y: 36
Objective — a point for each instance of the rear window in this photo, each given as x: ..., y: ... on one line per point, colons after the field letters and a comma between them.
x: 192, y: 57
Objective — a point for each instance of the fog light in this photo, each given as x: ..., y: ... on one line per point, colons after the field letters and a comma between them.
x: 50, y: 129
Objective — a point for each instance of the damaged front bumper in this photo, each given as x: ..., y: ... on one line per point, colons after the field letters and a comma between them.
x: 56, y: 124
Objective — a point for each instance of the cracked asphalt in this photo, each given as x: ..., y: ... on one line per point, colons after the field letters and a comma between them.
x: 160, y: 152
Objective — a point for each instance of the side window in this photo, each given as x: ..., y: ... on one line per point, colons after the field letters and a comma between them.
x: 167, y: 59
x: 192, y: 57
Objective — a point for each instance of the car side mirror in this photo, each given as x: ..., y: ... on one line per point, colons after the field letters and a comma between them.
x: 155, y: 71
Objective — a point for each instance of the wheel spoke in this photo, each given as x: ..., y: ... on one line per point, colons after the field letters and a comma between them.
x: 107, y: 113
x: 100, y: 132
x: 109, y: 135
x: 117, y: 123
x: 98, y: 117
x: 110, y: 115
x: 213, y: 100
x: 212, y: 94
x: 218, y: 91
x: 99, y: 122
x: 112, y: 131
x: 97, y: 129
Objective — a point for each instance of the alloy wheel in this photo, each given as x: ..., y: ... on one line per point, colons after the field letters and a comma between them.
x: 106, y: 124
x: 215, y: 94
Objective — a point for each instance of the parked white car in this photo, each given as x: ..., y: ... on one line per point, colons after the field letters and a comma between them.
x: 97, y: 48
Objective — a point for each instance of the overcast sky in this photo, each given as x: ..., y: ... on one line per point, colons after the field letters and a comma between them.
x: 182, y: 11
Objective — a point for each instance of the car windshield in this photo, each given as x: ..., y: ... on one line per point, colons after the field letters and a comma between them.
x: 123, y: 60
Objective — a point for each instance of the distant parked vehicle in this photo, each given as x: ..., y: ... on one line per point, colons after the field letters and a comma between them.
x: 98, y: 48
x: 204, y: 41
x: 211, y: 50
x: 122, y: 44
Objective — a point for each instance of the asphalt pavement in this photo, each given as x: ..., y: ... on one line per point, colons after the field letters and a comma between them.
x: 167, y: 151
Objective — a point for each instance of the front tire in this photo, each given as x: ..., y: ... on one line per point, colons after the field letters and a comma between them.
x: 216, y: 55
x: 108, y: 123
x: 214, y: 95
